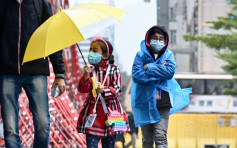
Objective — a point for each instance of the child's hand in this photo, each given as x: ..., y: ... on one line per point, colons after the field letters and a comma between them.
x: 100, y: 89
x: 144, y: 67
x: 87, y: 71
x: 164, y: 63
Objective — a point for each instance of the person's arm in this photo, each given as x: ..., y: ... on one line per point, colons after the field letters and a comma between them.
x: 85, y: 83
x: 116, y: 88
x: 58, y: 64
x: 138, y: 74
x: 58, y: 67
x: 163, y: 71
x: 84, y: 86
x: 57, y: 58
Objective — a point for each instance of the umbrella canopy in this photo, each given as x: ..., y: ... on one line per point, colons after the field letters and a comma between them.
x: 68, y: 27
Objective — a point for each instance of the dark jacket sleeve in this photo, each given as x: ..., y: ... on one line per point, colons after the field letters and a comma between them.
x: 57, y: 58
x: 2, y: 11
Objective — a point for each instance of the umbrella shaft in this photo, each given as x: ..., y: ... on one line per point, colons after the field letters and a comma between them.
x: 81, y: 54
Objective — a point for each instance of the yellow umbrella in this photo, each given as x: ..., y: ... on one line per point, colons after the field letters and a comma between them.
x: 69, y: 27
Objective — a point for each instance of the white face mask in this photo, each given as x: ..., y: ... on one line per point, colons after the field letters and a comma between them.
x: 157, y: 45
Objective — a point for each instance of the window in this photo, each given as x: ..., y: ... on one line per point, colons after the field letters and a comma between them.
x: 173, y: 36
x: 172, y: 15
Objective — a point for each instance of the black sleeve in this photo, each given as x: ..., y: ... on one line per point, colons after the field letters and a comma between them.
x: 57, y: 61
x: 47, y: 10
x: 2, y: 9
x: 57, y: 58
x: 2, y: 12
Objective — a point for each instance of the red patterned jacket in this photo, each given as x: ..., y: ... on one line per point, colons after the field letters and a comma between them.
x: 112, y: 89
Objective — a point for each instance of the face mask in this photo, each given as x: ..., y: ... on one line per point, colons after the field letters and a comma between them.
x: 94, y: 58
x: 157, y: 45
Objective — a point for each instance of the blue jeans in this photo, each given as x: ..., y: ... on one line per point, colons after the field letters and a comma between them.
x: 35, y: 87
x: 107, y: 142
x: 156, y: 132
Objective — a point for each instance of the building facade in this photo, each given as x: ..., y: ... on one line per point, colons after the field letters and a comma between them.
x: 209, y: 10
x: 188, y: 17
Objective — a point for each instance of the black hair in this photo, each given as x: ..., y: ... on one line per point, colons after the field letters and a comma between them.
x: 156, y: 30
x: 105, y: 50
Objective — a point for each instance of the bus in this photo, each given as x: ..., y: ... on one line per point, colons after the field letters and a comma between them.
x: 205, y: 84
x: 210, y: 120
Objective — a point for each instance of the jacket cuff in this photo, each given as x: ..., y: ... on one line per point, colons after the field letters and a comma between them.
x: 109, y: 91
x: 87, y: 81
x: 59, y: 76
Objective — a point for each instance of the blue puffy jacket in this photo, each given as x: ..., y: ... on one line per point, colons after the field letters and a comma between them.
x: 146, y: 83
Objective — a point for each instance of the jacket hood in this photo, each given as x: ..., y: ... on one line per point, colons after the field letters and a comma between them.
x: 162, y: 28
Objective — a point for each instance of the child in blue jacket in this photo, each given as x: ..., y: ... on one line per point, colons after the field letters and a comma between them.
x: 155, y: 94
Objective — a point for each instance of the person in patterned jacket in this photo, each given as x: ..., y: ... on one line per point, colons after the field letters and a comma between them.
x: 100, y: 56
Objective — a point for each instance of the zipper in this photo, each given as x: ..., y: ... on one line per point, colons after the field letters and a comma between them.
x: 19, y: 40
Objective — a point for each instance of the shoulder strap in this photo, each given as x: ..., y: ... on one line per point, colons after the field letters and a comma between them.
x: 39, y: 9
x: 101, y: 98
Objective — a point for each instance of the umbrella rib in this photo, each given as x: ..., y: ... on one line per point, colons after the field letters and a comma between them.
x: 45, y: 45
x: 46, y: 38
x: 103, y: 12
x: 93, y: 13
x: 92, y: 8
x: 74, y: 25
x: 98, y: 15
x: 106, y: 12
